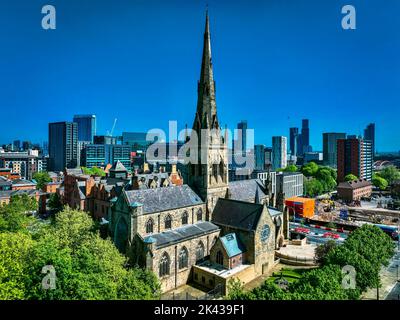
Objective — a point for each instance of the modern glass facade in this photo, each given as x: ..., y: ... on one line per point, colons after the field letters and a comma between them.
x: 99, y: 155
x: 329, y: 140
x: 86, y: 126
x: 369, y: 134
x: 259, y: 153
x: 279, y: 153
x: 137, y: 140
x: 63, y: 145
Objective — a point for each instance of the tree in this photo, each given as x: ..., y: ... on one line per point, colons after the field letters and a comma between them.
x: 15, y: 216
x: 94, y: 171
x: 310, y: 169
x: 291, y: 168
x: 86, y: 266
x: 41, y: 179
x: 350, y: 177
x: 313, y: 187
x: 14, y: 249
x: 379, y: 182
x: 55, y: 202
x: 322, y: 250
x: 390, y: 174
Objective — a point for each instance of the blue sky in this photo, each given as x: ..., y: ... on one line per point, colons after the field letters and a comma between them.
x: 275, y: 62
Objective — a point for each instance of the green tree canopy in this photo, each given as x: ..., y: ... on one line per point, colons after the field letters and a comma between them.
x: 350, y: 177
x: 313, y: 187
x: 94, y: 171
x: 15, y: 216
x: 41, y: 179
x: 390, y: 174
x: 379, y: 182
x: 310, y: 169
x: 86, y: 266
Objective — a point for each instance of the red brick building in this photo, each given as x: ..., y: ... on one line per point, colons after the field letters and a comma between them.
x: 354, y: 190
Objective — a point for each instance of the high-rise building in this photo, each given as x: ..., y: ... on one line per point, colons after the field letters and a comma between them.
x: 329, y: 140
x: 99, y: 155
x: 293, y: 143
x: 259, y: 154
x: 354, y: 156
x: 26, y: 145
x: 242, y: 131
x: 279, y: 153
x: 17, y: 145
x: 305, y: 137
x: 369, y: 134
x: 63, y: 145
x: 268, y: 156
x: 137, y: 140
x: 86, y: 126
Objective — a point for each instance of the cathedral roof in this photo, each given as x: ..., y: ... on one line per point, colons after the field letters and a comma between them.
x: 161, y: 199
x: 247, y: 190
x: 184, y: 233
x: 237, y: 214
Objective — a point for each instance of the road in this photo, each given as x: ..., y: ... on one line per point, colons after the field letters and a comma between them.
x: 316, y: 235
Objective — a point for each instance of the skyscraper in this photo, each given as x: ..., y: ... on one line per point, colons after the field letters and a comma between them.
x: 63, y: 145
x: 259, y: 154
x: 329, y: 140
x: 369, y: 134
x: 305, y: 137
x: 242, y: 135
x: 354, y: 156
x: 279, y: 153
x: 86, y: 126
x: 294, y: 135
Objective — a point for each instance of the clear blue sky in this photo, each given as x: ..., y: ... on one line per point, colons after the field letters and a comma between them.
x: 275, y: 62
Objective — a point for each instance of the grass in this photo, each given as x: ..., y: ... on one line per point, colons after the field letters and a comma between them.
x: 289, y: 274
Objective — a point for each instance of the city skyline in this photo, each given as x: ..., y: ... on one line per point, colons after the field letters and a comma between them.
x: 273, y: 75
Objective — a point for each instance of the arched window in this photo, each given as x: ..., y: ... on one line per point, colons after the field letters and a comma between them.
x: 200, y: 251
x: 149, y: 226
x: 164, y: 265
x: 199, y: 215
x: 219, y: 258
x: 168, y: 222
x: 185, y: 218
x: 183, y: 258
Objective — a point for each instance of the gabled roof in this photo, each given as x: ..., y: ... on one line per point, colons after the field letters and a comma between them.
x: 232, y: 244
x: 355, y: 184
x: 161, y: 199
x: 246, y: 190
x: 237, y: 214
x: 118, y: 166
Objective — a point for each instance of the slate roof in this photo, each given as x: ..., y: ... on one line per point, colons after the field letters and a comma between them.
x: 274, y: 211
x: 118, y: 166
x: 23, y: 182
x: 246, y: 190
x: 161, y: 199
x: 355, y: 184
x: 145, y: 179
x: 184, y: 233
x: 238, y: 214
x: 10, y: 193
x: 232, y: 244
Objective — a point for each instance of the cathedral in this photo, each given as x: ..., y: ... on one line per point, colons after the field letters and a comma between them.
x: 206, y: 230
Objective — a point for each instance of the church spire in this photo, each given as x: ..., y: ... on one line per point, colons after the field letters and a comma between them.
x: 206, y: 106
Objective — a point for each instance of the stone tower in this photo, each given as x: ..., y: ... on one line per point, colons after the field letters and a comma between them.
x: 208, y: 176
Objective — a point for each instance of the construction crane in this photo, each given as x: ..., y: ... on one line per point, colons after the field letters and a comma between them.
x: 113, y: 127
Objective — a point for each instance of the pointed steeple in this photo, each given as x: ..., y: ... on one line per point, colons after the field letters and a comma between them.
x: 206, y: 105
